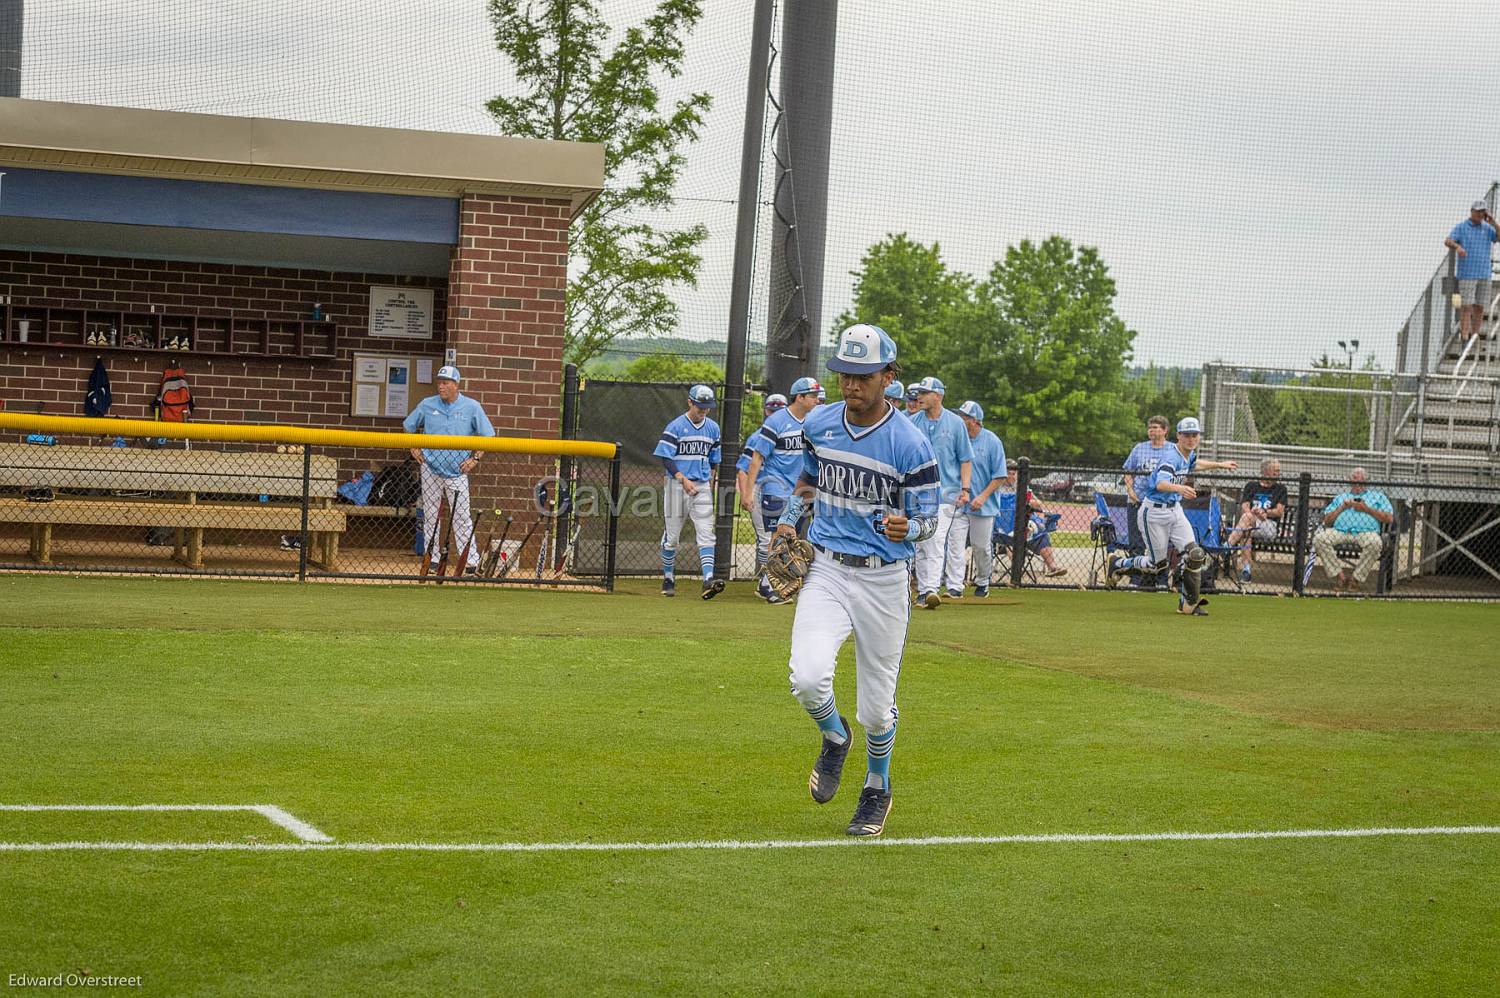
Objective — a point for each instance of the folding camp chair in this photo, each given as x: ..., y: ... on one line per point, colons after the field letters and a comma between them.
x: 1111, y: 530
x: 1003, y: 539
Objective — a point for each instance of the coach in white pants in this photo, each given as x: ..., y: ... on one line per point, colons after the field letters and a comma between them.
x: 446, y: 472
x: 945, y: 431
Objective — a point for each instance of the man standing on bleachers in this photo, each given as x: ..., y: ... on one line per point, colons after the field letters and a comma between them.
x: 1472, y: 240
x: 1353, y: 517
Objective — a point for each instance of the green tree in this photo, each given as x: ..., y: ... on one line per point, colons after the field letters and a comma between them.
x: 1044, y: 339
x: 569, y: 86
x: 669, y: 367
x: 905, y: 288
x: 1154, y: 392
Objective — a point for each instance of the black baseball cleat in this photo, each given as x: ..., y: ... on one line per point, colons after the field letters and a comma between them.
x: 828, y: 768
x: 668, y: 587
x: 1192, y: 610
x: 870, y: 813
x: 1113, y: 573
x: 981, y: 592
x: 712, y: 588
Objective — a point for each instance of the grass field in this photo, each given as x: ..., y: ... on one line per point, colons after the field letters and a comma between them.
x: 410, y: 716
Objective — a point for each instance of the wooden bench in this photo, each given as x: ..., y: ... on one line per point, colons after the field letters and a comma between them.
x: 189, y: 490
x: 1285, y: 541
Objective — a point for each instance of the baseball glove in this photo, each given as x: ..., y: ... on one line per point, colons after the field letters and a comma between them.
x: 787, y: 565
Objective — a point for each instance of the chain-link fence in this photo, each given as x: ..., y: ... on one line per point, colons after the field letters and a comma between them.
x: 126, y: 502
x: 1440, y: 541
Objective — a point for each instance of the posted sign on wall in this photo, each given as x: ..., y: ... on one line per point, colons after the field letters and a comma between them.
x: 405, y: 313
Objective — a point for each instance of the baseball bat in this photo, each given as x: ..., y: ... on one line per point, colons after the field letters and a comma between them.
x: 430, y: 534
x: 497, y: 553
x: 442, y: 565
x: 548, y: 511
x: 541, y: 505
x: 463, y: 559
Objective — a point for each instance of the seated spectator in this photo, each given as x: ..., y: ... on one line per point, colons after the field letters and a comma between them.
x: 1038, y: 541
x: 1353, y: 517
x: 1262, y: 505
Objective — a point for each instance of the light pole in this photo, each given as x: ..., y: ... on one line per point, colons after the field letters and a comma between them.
x: 1350, y: 348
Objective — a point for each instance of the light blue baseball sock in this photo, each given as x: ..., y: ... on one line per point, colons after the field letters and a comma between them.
x: 826, y: 714
x: 879, y: 749
x: 706, y: 556
x: 669, y: 563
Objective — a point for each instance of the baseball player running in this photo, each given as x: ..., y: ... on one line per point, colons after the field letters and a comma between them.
x: 689, y: 452
x: 874, y: 480
x: 1163, y: 525
x: 945, y: 430
x: 776, y: 456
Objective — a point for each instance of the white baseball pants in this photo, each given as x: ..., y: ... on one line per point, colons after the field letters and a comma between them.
x: 872, y: 604
x: 457, y: 489
x: 1163, y: 528
x: 980, y: 538
x: 942, y: 554
x: 679, y: 506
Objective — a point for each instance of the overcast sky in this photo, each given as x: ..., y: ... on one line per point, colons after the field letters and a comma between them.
x: 1262, y: 179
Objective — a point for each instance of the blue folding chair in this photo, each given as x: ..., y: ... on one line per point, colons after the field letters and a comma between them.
x: 1003, y: 539
x: 1207, y: 520
x: 1111, y: 530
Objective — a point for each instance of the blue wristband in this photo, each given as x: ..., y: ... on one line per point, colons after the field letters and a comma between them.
x: 795, y: 506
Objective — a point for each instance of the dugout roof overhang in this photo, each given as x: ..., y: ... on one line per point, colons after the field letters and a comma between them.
x: 107, y: 181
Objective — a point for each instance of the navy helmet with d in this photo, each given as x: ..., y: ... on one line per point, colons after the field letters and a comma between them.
x: 863, y: 349
x: 702, y: 396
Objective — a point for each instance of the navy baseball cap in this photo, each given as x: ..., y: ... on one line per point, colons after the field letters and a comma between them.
x: 702, y: 396
x: 774, y: 402
x: 929, y: 384
x: 973, y: 410
x: 863, y: 349
x: 1189, y: 424
x: 895, y: 390
x: 804, y: 386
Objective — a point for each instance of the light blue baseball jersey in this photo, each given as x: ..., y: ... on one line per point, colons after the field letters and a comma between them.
x: 1144, y: 457
x: 695, y: 448
x: 989, y: 464
x: 1168, y: 471
x: 1476, y: 241
x: 861, y: 470
x: 779, y: 443
x: 1353, y: 521
x: 462, y: 418
x: 743, y: 464
x: 949, y: 438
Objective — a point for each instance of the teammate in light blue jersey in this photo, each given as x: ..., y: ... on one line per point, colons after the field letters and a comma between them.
x: 1146, y: 455
x: 873, y: 478
x: 942, y: 556
x: 748, y: 490
x: 1162, y: 524
x: 445, y: 473
x: 973, y: 523
x: 689, y: 452
x: 776, y: 461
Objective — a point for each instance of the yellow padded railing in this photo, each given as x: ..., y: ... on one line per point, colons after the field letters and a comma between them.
x: 305, y: 435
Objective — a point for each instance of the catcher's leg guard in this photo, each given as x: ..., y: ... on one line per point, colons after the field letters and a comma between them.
x: 1194, y: 560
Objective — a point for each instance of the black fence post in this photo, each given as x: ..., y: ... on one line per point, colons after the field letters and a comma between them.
x: 567, y: 471
x: 1299, y: 538
x: 302, y: 537
x: 615, y: 502
x: 1018, y: 529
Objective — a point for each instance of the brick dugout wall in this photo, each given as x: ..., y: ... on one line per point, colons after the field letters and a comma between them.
x: 501, y: 310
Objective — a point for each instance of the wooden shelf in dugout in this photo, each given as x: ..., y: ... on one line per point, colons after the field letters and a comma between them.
x: 52, y: 328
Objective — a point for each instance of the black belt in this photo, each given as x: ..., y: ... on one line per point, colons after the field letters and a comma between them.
x: 857, y: 560
x: 1161, y: 505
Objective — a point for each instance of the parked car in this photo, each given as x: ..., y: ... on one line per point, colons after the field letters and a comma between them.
x: 1056, y: 485
x: 1083, y: 491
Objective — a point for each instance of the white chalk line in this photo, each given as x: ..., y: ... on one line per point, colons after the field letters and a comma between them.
x: 738, y: 844
x: 299, y: 828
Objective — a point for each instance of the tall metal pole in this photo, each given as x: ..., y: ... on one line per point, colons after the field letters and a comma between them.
x: 12, y: 21
x: 739, y: 290
x: 804, y: 134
